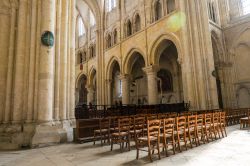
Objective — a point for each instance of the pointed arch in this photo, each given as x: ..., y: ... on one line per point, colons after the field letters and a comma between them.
x: 154, y: 53
x: 110, y: 66
x: 129, y: 55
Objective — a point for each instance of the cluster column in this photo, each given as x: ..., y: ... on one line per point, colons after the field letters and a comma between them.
x: 109, y: 91
x: 151, y: 72
x: 125, y: 89
x: 90, y: 95
x: 20, y: 62
x: 46, y: 66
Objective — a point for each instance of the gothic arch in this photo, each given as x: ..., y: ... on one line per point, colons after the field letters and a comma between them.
x: 155, y: 56
x: 94, y: 7
x: 78, y: 79
x: 110, y: 66
x: 128, y: 57
x: 91, y: 75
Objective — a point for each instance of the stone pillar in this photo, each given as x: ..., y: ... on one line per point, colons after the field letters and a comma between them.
x: 20, y: 62
x: 125, y: 89
x: 72, y: 60
x: 109, y: 91
x: 63, y: 60
x: 90, y: 95
x: 57, y: 60
x: 10, y: 61
x: 46, y: 66
x: 151, y: 72
x: 31, y: 71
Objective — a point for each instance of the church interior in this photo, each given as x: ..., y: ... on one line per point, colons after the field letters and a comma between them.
x: 125, y: 82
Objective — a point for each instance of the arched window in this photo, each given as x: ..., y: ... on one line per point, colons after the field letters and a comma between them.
x: 170, y: 6
x: 245, y: 6
x: 137, y: 23
x: 91, y: 51
x: 81, y: 29
x: 212, y: 12
x: 158, y: 10
x: 80, y: 58
x: 109, y: 41
x: 115, y: 36
x: 129, y: 28
x: 111, y: 5
x: 92, y: 19
x: 84, y: 56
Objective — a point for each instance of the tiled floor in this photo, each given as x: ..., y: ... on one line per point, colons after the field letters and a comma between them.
x: 233, y: 150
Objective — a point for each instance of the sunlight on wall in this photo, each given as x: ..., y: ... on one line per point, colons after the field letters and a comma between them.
x: 176, y: 21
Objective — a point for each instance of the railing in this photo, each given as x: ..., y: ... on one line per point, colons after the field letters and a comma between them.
x: 83, y: 111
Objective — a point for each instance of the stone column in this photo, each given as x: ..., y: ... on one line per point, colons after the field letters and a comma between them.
x: 46, y: 66
x: 125, y: 89
x: 72, y: 60
x: 109, y: 92
x: 151, y: 72
x: 63, y: 59
x: 20, y: 62
x: 31, y: 71
x: 10, y: 62
x: 57, y: 60
x: 90, y: 95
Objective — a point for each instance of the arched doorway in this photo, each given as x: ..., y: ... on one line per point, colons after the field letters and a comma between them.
x: 92, y: 87
x: 216, y: 72
x: 116, y: 85
x: 170, y: 88
x: 81, y: 90
x: 138, y: 79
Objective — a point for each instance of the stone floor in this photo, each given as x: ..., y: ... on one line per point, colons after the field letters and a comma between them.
x: 233, y: 150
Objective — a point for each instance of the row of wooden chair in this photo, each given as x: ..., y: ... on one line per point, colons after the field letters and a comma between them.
x: 170, y: 132
x: 233, y: 116
x: 161, y: 131
x: 245, y: 121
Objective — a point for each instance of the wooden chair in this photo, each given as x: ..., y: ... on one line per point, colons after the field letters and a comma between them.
x: 168, y: 135
x: 123, y: 134
x: 104, y: 131
x: 245, y: 121
x: 181, y: 131
x: 192, y: 130
x: 222, y: 125
x: 138, y: 127
x: 200, y: 128
x: 152, y: 140
x: 216, y: 124
x: 207, y: 126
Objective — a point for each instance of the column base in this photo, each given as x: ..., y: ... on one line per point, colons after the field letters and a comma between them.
x: 32, y: 135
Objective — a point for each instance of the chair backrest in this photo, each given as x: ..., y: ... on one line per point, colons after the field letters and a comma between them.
x: 139, y: 123
x: 153, y: 128
x: 104, y: 123
x: 152, y: 117
x: 208, y: 119
x: 200, y: 120
x: 216, y: 117
x: 192, y: 121
x: 181, y: 123
x: 223, y: 117
x: 114, y: 121
x: 168, y: 125
x: 124, y: 124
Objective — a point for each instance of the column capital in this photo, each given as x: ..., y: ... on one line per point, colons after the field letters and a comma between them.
x: 153, y: 69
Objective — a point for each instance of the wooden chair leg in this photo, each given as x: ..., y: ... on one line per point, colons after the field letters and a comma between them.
x: 158, y: 148
x: 149, y: 154
x: 94, y: 138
